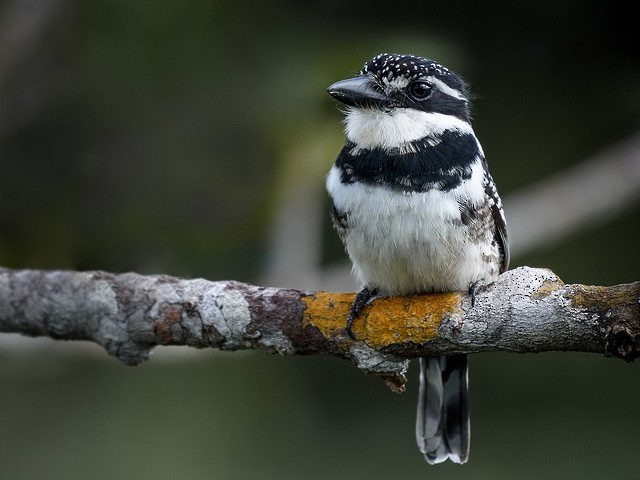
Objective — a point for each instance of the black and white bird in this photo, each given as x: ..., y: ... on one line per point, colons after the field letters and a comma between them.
x: 418, y: 212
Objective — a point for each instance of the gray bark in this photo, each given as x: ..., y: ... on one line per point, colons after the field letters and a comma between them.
x: 525, y: 310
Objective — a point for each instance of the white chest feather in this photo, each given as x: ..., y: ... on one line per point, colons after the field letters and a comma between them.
x: 404, y: 243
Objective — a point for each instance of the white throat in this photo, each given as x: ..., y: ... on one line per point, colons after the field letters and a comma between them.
x: 373, y: 128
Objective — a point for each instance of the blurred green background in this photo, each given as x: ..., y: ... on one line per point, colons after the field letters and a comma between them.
x: 191, y: 138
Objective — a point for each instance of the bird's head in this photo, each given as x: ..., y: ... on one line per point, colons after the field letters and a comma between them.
x: 390, y: 81
x: 400, y: 98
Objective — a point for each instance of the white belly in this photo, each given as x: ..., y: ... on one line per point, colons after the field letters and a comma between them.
x: 413, y: 242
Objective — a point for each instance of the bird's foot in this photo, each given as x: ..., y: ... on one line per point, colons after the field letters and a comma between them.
x: 474, y: 288
x: 363, y: 298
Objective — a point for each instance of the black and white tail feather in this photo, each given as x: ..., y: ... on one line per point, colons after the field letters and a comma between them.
x: 418, y: 212
x: 442, y: 423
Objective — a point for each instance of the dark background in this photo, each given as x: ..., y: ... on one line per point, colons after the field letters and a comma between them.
x: 162, y: 137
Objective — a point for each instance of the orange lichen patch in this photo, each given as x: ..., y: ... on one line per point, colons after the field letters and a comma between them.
x: 407, y: 319
x: 327, y: 312
x: 386, y: 321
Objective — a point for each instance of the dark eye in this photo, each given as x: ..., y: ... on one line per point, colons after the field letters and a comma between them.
x: 420, y: 90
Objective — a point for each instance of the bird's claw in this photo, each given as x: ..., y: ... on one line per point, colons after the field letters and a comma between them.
x: 363, y: 298
x: 474, y: 288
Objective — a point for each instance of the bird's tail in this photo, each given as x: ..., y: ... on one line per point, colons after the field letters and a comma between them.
x: 442, y: 428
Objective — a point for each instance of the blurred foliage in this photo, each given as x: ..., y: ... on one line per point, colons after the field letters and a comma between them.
x: 154, y: 136
x: 237, y: 416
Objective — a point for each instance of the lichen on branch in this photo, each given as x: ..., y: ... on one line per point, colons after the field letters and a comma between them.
x: 525, y: 310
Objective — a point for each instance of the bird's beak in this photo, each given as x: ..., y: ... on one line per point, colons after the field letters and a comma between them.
x: 358, y: 92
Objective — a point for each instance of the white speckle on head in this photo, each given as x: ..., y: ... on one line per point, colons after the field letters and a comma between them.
x: 374, y: 128
x: 397, y: 83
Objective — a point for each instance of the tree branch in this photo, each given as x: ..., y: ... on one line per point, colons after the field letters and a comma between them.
x: 525, y: 310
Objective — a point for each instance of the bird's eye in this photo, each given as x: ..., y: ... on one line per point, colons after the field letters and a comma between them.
x: 420, y: 90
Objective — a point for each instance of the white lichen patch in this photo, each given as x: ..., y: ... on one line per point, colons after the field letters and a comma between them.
x: 228, y: 312
x: 370, y: 360
x: 102, y: 298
